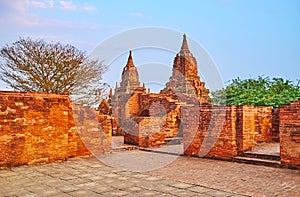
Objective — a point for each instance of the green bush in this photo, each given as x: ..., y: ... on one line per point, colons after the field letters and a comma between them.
x: 262, y: 91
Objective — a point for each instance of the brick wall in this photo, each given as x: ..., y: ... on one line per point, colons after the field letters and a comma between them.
x: 213, y: 133
x: 245, y: 127
x: 132, y: 106
x: 225, y: 131
x: 151, y: 131
x: 131, y: 131
x: 91, y: 133
x: 189, y: 124
x: 254, y: 125
x: 37, y: 127
x: 145, y: 131
x: 263, y: 124
x: 158, y: 105
x: 289, y: 127
x: 275, y: 124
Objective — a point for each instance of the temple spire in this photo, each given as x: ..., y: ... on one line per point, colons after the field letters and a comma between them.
x: 130, y: 60
x: 184, y: 46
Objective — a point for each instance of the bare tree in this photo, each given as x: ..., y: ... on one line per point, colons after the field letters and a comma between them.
x: 37, y: 66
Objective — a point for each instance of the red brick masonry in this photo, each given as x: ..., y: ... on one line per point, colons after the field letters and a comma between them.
x: 226, y: 131
x: 289, y: 127
x: 38, y: 127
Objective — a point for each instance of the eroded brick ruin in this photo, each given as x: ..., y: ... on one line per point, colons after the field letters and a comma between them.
x: 183, y: 109
x: 37, y: 127
x: 145, y: 118
x: 40, y: 127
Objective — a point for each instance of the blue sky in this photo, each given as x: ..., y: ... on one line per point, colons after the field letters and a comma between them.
x: 244, y: 38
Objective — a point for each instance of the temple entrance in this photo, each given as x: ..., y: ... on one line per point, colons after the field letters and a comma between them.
x: 257, y: 134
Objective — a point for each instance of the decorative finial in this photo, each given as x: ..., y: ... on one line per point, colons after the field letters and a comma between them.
x: 184, y: 46
x: 130, y: 60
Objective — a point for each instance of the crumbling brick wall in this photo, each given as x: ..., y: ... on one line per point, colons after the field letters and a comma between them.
x: 263, y: 124
x: 275, y: 124
x: 254, y: 125
x: 33, y: 128
x: 91, y: 132
x: 145, y: 131
x: 245, y: 127
x: 289, y: 127
x: 37, y: 127
x: 213, y: 133
x: 225, y: 131
x: 158, y: 105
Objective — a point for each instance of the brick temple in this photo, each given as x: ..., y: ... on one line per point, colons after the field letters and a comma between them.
x: 182, y: 111
x: 145, y: 118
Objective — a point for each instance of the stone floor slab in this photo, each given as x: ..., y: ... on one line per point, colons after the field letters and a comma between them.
x: 199, y: 189
x: 182, y: 185
x: 194, y: 177
x: 83, y: 193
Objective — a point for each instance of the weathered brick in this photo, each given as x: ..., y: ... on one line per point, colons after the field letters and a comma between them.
x: 40, y: 127
x: 289, y: 126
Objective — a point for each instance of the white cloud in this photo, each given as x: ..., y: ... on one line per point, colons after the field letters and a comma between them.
x: 16, y: 13
x: 137, y: 14
x: 69, y: 5
x: 41, y: 4
x: 38, y: 4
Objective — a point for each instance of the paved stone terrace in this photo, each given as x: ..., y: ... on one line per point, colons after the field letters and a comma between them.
x: 87, y: 176
x: 247, y: 179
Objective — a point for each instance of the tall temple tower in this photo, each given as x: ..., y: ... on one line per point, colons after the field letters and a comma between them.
x: 130, y: 77
x: 129, y: 85
x: 185, y: 79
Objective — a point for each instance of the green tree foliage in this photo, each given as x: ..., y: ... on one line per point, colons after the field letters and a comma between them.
x: 37, y: 66
x: 262, y: 91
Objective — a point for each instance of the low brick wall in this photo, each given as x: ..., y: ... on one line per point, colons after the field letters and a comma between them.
x: 225, y: 131
x: 156, y: 105
x: 91, y: 133
x: 275, y: 124
x: 37, y: 127
x: 245, y: 127
x: 263, y: 124
x: 213, y: 133
x: 145, y: 132
x: 289, y: 127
